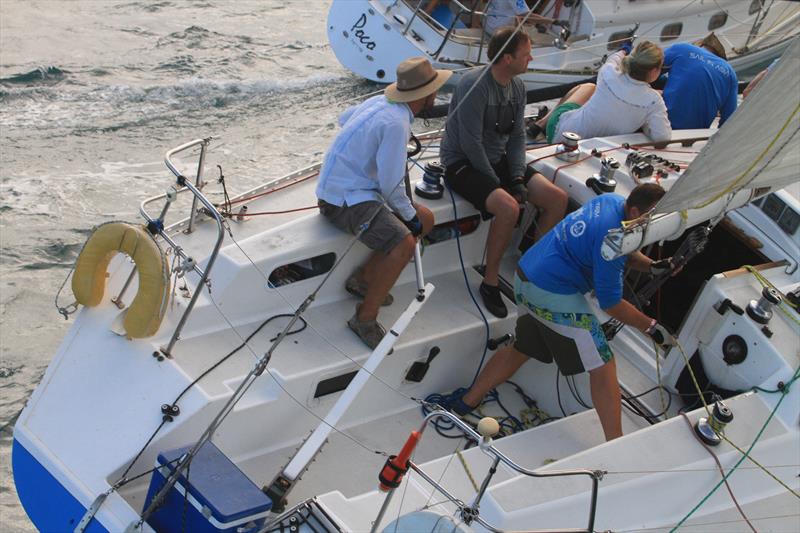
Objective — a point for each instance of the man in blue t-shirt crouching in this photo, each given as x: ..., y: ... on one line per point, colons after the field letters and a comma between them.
x: 554, y: 320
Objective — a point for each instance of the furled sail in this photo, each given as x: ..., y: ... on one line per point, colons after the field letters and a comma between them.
x: 759, y: 146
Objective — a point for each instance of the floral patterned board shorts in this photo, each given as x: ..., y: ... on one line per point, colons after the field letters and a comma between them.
x: 560, y: 328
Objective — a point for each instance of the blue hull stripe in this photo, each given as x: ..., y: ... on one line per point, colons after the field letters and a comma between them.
x: 49, y: 505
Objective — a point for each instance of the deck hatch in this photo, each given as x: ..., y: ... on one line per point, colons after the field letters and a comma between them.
x: 334, y: 384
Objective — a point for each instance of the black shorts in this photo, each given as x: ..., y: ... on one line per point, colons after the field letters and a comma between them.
x: 474, y: 186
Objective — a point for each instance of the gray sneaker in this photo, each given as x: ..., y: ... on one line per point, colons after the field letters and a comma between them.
x: 358, y: 288
x: 369, y: 331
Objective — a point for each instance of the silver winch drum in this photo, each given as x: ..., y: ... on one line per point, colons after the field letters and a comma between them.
x: 761, y: 310
x: 568, y: 149
x: 431, y: 187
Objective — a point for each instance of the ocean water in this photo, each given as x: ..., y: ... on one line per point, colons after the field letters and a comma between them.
x: 92, y: 94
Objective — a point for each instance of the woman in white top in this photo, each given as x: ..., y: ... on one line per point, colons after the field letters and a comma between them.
x: 622, y: 101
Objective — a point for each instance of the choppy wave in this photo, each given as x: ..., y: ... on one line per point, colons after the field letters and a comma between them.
x: 39, y: 76
x: 145, y: 6
x: 43, y: 106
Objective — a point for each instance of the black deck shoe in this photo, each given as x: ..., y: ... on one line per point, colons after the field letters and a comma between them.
x: 493, y: 301
x: 534, y: 130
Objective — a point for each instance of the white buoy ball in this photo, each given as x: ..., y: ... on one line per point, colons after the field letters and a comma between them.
x: 488, y: 426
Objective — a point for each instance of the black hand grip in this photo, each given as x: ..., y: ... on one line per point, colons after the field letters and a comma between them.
x: 493, y: 344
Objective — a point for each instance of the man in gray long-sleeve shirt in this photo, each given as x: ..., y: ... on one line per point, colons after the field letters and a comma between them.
x: 483, y: 151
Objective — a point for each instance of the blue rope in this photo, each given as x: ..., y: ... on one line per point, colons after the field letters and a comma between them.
x: 510, y: 424
x: 466, y: 279
x: 469, y: 289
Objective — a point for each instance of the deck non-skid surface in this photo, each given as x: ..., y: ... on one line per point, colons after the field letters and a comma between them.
x: 327, y: 341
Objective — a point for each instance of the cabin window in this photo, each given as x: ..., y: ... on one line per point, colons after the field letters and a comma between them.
x: 670, y: 32
x: 773, y: 207
x: 717, y: 21
x: 447, y: 230
x: 300, y: 270
x: 776, y: 209
x: 789, y: 221
x: 755, y: 7
x: 616, y: 40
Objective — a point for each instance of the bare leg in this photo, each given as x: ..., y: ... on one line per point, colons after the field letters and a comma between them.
x: 550, y: 200
x: 426, y: 217
x: 607, y: 398
x: 368, y: 271
x: 500, y: 367
x: 506, y: 211
x: 579, y: 94
x: 384, y: 269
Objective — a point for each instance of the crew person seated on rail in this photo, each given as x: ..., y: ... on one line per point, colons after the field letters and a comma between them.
x: 365, y: 167
x: 483, y: 150
x: 555, y: 321
x: 622, y: 101
x: 441, y: 12
x: 502, y: 13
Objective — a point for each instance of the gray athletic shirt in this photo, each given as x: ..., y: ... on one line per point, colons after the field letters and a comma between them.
x: 471, y: 133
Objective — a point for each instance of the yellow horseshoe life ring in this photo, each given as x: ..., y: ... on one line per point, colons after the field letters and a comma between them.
x: 89, y: 280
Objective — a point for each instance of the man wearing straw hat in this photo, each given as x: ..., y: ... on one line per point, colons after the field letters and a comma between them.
x: 362, y: 171
x: 700, y: 84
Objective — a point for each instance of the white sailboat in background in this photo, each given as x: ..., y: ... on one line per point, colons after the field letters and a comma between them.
x: 372, y: 37
x: 233, y: 381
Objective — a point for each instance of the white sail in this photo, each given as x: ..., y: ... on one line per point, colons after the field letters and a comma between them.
x: 758, y: 146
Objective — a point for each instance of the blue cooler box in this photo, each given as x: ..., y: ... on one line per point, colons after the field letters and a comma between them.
x: 221, y: 497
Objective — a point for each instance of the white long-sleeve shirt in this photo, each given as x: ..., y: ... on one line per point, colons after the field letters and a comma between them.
x: 367, y: 160
x: 618, y: 106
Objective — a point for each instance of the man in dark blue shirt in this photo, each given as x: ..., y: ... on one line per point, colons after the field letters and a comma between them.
x: 700, y: 84
x: 554, y: 321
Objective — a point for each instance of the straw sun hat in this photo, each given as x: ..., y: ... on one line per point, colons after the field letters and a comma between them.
x: 416, y: 79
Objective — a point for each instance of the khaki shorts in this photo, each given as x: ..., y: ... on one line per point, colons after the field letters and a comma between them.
x: 384, y: 232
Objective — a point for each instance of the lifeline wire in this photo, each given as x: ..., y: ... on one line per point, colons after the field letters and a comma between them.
x: 399, y: 183
x: 721, y: 470
x: 320, y: 335
x: 274, y: 317
x: 242, y: 389
x: 746, y: 454
x: 424, y: 148
x: 732, y: 470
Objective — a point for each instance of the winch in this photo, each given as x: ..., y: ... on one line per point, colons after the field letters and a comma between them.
x: 761, y: 310
x: 568, y: 150
x: 431, y: 187
x: 604, y: 182
x: 709, y: 429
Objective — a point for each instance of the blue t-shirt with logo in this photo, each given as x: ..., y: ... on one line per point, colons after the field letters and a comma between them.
x: 699, y: 85
x: 567, y: 259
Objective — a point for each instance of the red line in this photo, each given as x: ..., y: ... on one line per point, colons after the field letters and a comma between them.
x: 274, y: 212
